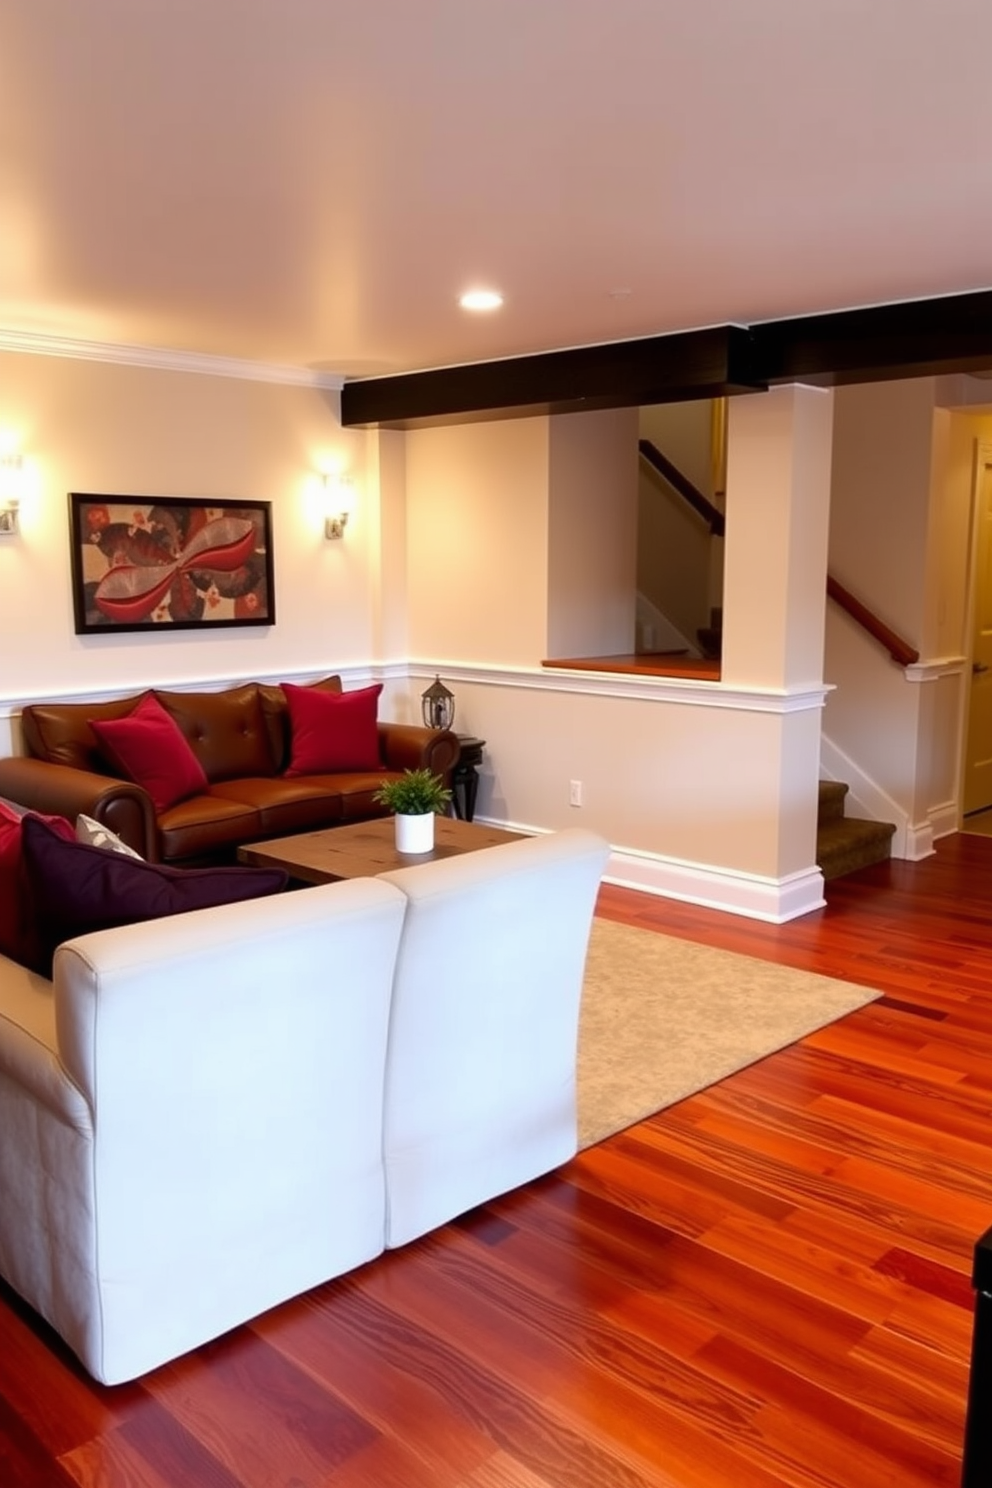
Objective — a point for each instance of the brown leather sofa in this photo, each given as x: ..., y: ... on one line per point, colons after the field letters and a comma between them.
x: 241, y: 737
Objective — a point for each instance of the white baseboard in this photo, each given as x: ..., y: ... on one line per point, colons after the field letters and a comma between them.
x: 919, y: 843
x: 774, y: 900
x: 944, y: 820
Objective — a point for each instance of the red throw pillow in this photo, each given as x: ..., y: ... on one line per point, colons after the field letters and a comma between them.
x: 332, y: 731
x: 18, y: 932
x: 74, y: 888
x: 150, y: 748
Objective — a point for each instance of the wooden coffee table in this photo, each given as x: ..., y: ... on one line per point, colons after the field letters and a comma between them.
x: 365, y: 849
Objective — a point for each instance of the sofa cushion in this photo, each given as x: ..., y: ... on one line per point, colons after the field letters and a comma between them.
x: 305, y: 803
x: 332, y: 731
x: 18, y: 932
x: 149, y: 748
x: 226, y: 730
x: 276, y: 715
x: 75, y: 888
x: 206, y: 827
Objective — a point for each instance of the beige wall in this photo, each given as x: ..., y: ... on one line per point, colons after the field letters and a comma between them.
x: 477, y: 541
x: 880, y: 500
x: 693, y: 783
x: 674, y: 557
x: 899, y: 540
x: 95, y: 427
x: 592, y: 533
x: 682, y: 431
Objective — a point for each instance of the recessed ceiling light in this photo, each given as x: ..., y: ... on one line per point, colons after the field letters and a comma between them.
x: 481, y: 299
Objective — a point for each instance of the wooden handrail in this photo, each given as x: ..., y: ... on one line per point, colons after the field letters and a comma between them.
x: 900, y: 651
x: 710, y: 514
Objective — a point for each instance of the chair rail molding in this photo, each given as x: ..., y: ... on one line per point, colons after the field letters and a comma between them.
x: 685, y: 690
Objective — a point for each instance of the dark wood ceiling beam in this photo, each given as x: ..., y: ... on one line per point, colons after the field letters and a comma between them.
x: 620, y: 374
x: 915, y: 339
x: 919, y: 338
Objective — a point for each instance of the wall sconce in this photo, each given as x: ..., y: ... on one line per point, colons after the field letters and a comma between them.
x: 11, y: 481
x: 339, y: 502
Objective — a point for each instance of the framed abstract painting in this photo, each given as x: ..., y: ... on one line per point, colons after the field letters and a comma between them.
x: 141, y: 563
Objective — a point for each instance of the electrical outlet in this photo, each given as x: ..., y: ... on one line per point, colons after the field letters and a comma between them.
x: 575, y: 793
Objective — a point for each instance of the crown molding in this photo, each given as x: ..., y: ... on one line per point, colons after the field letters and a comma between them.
x: 35, y: 343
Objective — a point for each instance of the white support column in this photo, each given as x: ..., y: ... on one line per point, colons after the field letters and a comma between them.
x: 778, y: 503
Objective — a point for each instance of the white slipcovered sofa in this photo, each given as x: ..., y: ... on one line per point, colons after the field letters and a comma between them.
x: 200, y: 1116
x: 480, y: 1089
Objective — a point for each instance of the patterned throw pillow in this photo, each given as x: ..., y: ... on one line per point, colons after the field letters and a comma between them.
x: 94, y: 834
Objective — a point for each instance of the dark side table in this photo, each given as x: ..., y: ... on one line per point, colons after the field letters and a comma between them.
x: 465, y: 776
x: 977, y: 1469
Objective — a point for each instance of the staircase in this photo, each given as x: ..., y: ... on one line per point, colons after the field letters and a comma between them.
x: 846, y: 843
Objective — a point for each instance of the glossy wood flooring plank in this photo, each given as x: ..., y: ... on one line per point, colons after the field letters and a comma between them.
x: 655, y: 1413
x: 43, y: 1385
x: 25, y: 1461
x: 502, y: 1405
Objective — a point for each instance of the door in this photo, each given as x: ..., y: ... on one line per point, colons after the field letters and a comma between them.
x: 977, y: 795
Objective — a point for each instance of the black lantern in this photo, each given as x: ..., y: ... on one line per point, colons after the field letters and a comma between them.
x: 438, y: 706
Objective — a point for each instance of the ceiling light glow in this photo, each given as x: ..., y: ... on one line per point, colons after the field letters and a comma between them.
x: 481, y: 299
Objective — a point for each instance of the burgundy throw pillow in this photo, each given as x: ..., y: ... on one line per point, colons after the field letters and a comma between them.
x: 332, y: 731
x: 151, y: 749
x: 75, y: 888
x: 18, y: 932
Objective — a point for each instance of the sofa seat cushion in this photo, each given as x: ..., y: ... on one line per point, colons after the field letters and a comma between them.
x: 358, y: 793
x: 305, y: 803
x: 204, y: 825
x: 76, y: 889
x: 149, y: 748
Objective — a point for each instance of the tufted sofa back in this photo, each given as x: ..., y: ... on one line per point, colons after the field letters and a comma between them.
x: 239, y: 733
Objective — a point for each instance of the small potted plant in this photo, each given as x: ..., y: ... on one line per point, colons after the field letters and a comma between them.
x: 415, y: 799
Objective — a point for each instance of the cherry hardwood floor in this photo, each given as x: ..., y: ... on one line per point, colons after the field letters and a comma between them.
x: 765, y: 1286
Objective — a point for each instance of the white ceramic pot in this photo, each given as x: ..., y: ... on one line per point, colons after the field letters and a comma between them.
x: 415, y: 834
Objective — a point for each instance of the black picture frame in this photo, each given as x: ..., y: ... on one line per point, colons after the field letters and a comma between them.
x: 150, y: 563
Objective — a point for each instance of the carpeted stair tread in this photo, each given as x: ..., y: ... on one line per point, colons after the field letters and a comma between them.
x: 846, y: 843
x: 831, y: 802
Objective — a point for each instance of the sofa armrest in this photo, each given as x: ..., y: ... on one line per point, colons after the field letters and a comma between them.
x: 61, y: 790
x: 407, y: 746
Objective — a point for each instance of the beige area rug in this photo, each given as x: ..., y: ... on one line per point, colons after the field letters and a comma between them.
x: 662, y: 1018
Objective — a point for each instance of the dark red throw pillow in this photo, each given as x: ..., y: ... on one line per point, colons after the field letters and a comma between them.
x: 332, y: 731
x: 75, y: 888
x: 18, y: 932
x: 150, y: 748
